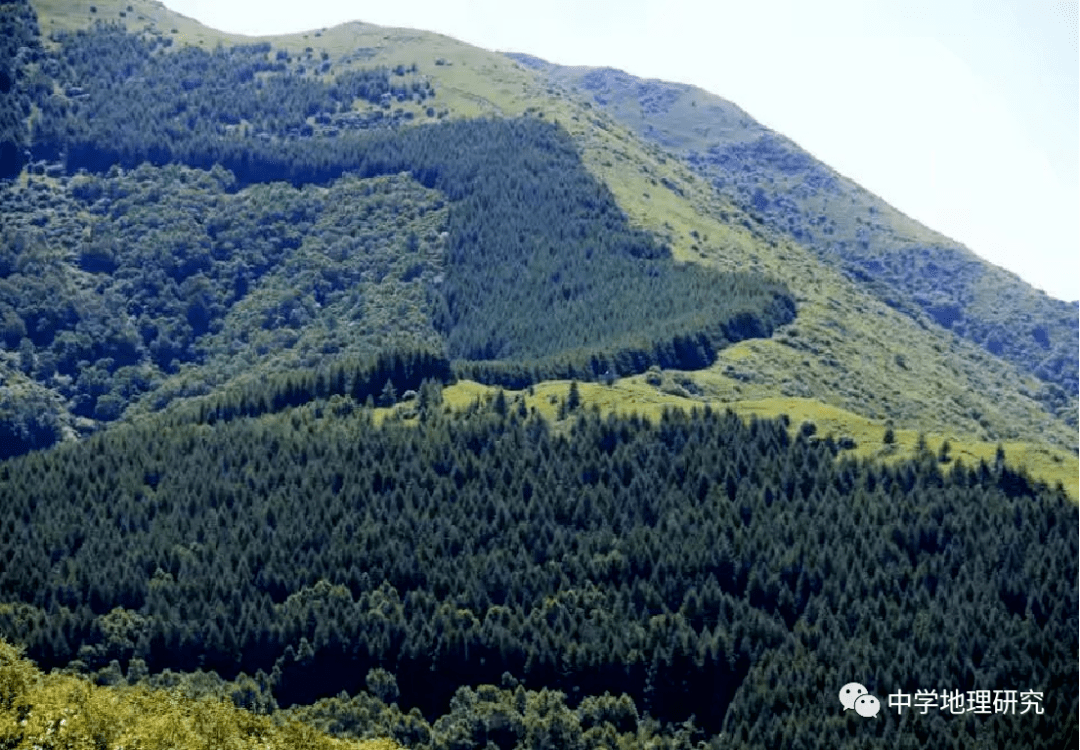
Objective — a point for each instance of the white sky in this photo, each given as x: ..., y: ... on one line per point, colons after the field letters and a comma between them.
x: 964, y: 114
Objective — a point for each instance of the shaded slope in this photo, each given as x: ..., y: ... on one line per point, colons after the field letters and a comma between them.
x: 18, y: 43
x: 848, y: 340
x: 207, y: 235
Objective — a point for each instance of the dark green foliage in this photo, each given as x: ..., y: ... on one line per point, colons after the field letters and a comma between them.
x: 382, y: 685
x: 19, y: 45
x: 687, y: 564
x: 573, y: 398
x: 128, y: 100
x: 179, y: 278
x: 541, y: 262
x: 511, y: 717
x: 27, y: 420
x: 544, y: 277
x: 296, y: 257
x: 356, y: 379
x: 388, y: 395
x: 175, y: 267
x: 945, y: 452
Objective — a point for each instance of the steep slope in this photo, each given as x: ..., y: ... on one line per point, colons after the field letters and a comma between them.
x: 905, y: 264
x: 198, y: 246
x: 849, y: 346
x: 215, y: 260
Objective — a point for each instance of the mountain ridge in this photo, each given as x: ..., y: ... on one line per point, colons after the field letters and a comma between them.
x: 711, y: 474
x: 923, y: 378
x: 783, y: 185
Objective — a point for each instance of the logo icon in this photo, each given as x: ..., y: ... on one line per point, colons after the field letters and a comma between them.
x: 856, y: 696
x: 867, y: 705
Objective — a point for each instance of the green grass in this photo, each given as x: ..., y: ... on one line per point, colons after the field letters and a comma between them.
x: 635, y: 396
x: 846, y: 350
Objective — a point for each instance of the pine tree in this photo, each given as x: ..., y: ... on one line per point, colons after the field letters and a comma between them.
x: 573, y: 398
x: 388, y: 395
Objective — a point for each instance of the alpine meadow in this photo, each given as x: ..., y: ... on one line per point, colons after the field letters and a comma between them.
x: 360, y: 388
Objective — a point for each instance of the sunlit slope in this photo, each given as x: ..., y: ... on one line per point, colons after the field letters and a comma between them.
x: 57, y: 710
x: 911, y: 267
x: 847, y: 347
x: 650, y: 395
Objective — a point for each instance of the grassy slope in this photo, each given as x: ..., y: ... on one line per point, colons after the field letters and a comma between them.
x: 917, y: 264
x: 846, y: 350
x: 635, y: 396
x: 683, y: 118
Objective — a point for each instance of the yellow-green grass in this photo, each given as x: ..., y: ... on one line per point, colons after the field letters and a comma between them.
x: 62, y: 710
x: 846, y: 348
x: 1051, y: 465
x: 846, y: 345
x: 69, y: 15
x: 635, y: 396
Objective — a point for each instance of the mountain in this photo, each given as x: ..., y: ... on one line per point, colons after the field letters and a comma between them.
x: 906, y: 367
x: 507, y: 403
x: 908, y: 266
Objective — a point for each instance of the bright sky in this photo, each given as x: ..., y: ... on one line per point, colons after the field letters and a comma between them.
x: 964, y: 114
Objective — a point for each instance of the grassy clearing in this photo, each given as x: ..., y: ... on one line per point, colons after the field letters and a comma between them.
x: 635, y: 396
x: 847, y: 349
x: 1051, y: 465
x: 69, y: 15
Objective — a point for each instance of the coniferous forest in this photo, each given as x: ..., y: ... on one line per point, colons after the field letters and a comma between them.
x: 249, y: 277
x: 710, y: 571
x: 202, y: 243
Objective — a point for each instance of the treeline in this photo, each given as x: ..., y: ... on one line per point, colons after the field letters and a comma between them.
x: 688, y: 342
x: 508, y: 252
x: 383, y: 381
x: 187, y: 269
x: 540, y: 259
x: 700, y: 565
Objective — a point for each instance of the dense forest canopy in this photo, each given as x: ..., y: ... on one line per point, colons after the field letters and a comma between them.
x: 219, y: 215
x: 686, y: 564
x: 245, y: 276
